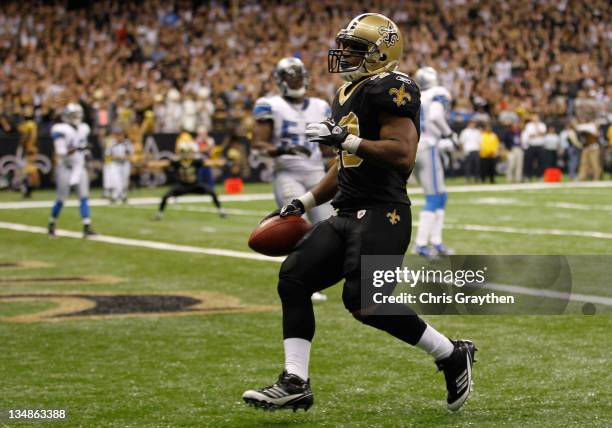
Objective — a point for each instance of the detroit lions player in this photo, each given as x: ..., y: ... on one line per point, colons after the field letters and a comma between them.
x: 70, y: 146
x: 435, y: 101
x: 280, y: 132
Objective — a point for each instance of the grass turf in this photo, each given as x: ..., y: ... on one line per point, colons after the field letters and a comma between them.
x: 183, y: 371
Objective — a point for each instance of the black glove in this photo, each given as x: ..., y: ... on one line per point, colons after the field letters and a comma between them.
x: 327, y: 132
x: 295, y: 207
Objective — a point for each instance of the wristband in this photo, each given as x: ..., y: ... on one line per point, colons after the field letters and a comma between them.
x: 308, y: 200
x: 351, y: 144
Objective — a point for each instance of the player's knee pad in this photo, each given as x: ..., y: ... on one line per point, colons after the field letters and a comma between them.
x: 435, y: 202
x: 291, y: 290
x: 289, y: 283
x: 292, y: 278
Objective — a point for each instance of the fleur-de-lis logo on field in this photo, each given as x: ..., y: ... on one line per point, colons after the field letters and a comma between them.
x: 389, y: 33
x: 400, y: 95
x: 393, y: 217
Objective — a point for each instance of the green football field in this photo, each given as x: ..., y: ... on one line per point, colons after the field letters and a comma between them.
x: 165, y: 324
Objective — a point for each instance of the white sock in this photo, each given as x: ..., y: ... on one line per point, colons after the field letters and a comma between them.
x: 438, y: 225
x: 435, y: 344
x: 426, y: 220
x: 297, y: 356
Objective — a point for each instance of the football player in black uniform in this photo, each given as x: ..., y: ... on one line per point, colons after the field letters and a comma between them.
x: 186, y: 170
x: 375, y: 128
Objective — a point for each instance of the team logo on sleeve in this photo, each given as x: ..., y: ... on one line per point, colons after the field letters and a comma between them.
x: 389, y: 34
x: 400, y: 96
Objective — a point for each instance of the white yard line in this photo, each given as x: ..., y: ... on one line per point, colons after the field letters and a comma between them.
x: 231, y: 211
x: 526, y: 231
x: 583, y: 207
x: 164, y: 246
x: 142, y: 243
x: 269, y: 197
x: 139, y: 201
x: 551, y: 294
x: 514, y: 202
x: 523, y: 186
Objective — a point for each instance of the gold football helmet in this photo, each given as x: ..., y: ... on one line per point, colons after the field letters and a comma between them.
x: 370, y: 44
x: 186, y: 148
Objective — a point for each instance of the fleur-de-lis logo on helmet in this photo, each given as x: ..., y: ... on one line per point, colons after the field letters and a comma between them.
x: 370, y: 44
x: 389, y: 34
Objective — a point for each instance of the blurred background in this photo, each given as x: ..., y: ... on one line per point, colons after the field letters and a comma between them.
x: 159, y: 68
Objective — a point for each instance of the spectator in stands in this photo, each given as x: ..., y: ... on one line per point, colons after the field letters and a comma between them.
x: 551, y: 146
x: 573, y: 146
x: 28, y: 140
x: 205, y: 108
x: 173, y: 112
x: 590, y: 162
x: 5, y: 121
x: 536, y: 65
x: 469, y: 140
x: 516, y: 155
x: 189, y: 114
x: 205, y: 145
x: 489, y: 151
x: 533, y: 137
x: 608, y: 142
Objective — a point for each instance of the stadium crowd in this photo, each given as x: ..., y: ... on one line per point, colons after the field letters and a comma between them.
x: 507, y: 57
x: 200, y: 65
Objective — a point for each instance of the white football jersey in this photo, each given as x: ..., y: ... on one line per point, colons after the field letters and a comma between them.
x: 289, y: 128
x: 70, y: 144
x: 66, y: 139
x: 120, y: 149
x: 435, y: 103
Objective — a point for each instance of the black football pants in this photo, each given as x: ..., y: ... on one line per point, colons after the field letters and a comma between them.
x: 332, y: 251
x: 185, y: 189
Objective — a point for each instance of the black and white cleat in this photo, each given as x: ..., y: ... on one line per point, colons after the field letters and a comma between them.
x: 289, y: 392
x: 457, y: 370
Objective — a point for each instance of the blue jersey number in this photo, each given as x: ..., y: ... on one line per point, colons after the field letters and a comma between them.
x: 287, y: 136
x: 290, y: 136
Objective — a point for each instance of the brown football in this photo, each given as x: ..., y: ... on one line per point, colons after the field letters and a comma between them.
x: 277, y: 235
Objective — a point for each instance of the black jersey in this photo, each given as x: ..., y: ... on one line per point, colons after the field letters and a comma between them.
x: 358, y: 106
x: 186, y: 170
